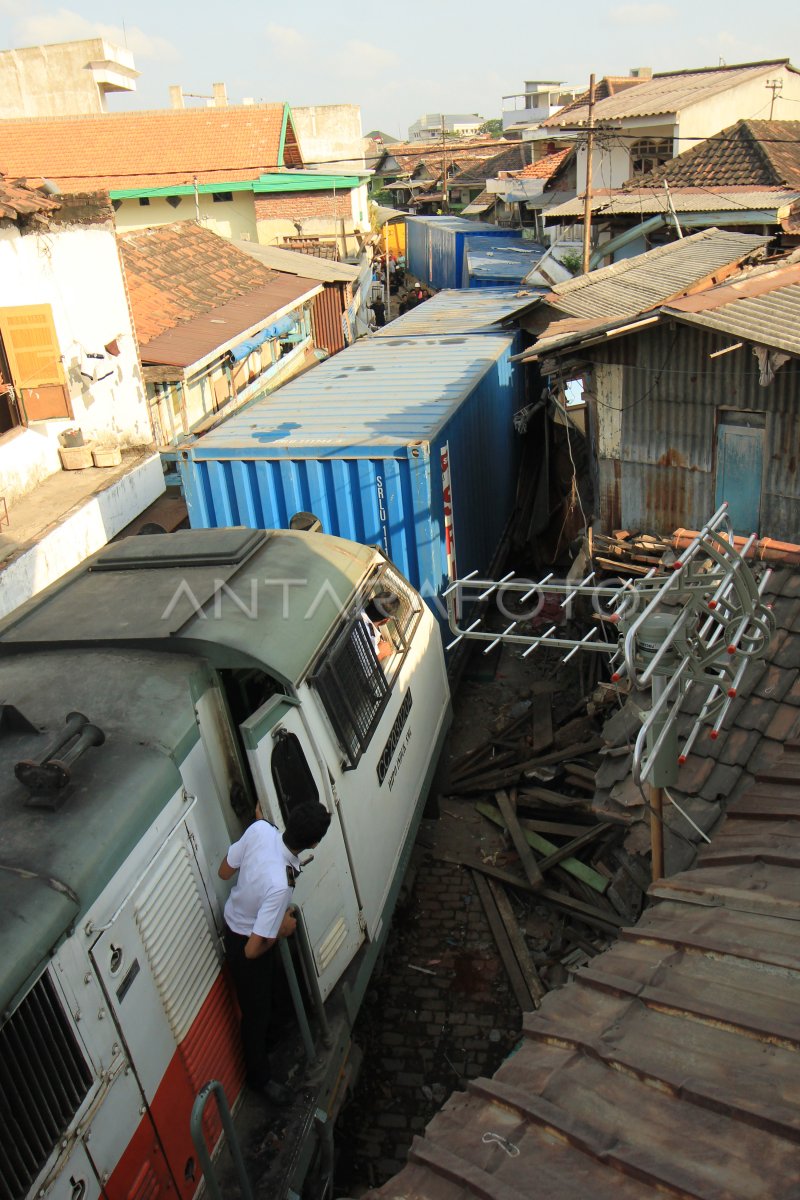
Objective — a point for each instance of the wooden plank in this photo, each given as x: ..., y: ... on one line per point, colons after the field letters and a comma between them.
x: 598, y: 918
x: 578, y: 843
x: 573, y: 866
x: 524, y: 999
x: 581, y: 772
x: 518, y: 944
x: 551, y: 798
x: 557, y: 828
x: 519, y: 837
x: 502, y: 778
x: 542, y: 727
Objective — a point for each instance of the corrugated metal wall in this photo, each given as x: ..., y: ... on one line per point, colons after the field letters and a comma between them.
x: 327, y: 316
x: 671, y: 395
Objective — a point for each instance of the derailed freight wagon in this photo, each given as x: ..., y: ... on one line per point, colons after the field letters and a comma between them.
x: 403, y: 443
x: 150, y: 699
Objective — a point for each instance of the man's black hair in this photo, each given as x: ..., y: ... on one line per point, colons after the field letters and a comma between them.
x: 383, y: 606
x: 306, y: 825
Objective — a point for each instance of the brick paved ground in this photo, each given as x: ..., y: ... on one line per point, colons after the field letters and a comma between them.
x: 440, y: 1013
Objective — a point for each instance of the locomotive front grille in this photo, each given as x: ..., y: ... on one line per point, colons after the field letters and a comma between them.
x: 44, y: 1079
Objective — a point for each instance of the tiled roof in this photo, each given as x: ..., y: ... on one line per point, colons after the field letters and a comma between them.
x: 667, y: 1065
x: 410, y: 155
x: 148, y: 149
x: 669, y: 92
x: 23, y: 198
x: 510, y: 158
x: 543, y: 168
x: 178, y: 273
x: 640, y: 202
x: 748, y: 154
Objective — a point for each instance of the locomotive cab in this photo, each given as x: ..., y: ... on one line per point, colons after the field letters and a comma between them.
x: 152, y: 698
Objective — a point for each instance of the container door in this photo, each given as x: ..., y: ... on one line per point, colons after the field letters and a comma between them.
x: 740, y: 459
x: 287, y: 771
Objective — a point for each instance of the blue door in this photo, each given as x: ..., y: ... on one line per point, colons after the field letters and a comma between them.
x: 740, y: 461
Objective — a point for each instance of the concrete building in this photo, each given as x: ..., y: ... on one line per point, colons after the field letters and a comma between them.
x: 649, y: 118
x: 69, y: 372
x: 539, y: 100
x: 64, y: 79
x: 430, y: 126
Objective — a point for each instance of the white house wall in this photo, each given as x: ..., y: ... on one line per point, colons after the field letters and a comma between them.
x: 330, y: 137
x: 749, y: 101
x: 78, y: 273
x: 229, y: 218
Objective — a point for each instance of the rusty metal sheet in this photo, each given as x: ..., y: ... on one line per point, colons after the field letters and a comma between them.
x: 669, y: 1064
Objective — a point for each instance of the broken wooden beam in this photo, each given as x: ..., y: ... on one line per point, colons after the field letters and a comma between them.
x: 573, y: 866
x: 598, y: 918
x: 526, y: 1001
x: 519, y: 837
x: 518, y: 944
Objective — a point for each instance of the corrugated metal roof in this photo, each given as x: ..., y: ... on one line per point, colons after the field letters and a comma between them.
x: 196, y: 339
x: 501, y: 260
x: 689, y: 199
x: 382, y: 393
x: 637, y: 284
x: 461, y: 310
x: 292, y: 262
x: 669, y: 92
x: 763, y: 308
x: 669, y: 1065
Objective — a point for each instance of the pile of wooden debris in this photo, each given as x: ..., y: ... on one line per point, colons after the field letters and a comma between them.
x: 561, y: 885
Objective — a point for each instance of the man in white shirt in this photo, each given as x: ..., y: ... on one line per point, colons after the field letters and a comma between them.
x: 257, y: 914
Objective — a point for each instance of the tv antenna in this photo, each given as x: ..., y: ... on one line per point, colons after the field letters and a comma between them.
x: 690, y: 627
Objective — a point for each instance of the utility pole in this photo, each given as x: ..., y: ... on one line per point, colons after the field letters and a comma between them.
x: 776, y: 87
x: 587, y: 203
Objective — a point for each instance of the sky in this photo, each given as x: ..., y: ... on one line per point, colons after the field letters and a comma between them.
x: 400, y: 61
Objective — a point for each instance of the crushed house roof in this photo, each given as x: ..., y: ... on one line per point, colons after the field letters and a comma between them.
x: 24, y: 198
x: 668, y: 1065
x: 668, y: 92
x: 761, y: 307
x: 511, y: 158
x: 410, y: 156
x: 751, y: 154
x: 116, y: 151
x: 191, y: 291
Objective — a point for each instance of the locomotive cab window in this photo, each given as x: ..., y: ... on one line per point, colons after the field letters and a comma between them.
x: 355, y: 678
x: 291, y: 773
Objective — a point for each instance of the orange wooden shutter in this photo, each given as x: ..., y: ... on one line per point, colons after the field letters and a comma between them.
x: 31, y: 345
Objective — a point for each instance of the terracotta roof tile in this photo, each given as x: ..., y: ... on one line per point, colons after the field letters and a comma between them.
x: 22, y: 198
x: 543, y: 168
x: 178, y: 272
x: 148, y: 149
x: 747, y: 154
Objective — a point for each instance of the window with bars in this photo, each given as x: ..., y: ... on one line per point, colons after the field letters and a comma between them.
x: 353, y: 685
x: 44, y: 1079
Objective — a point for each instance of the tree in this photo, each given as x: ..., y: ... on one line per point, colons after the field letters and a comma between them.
x: 493, y: 128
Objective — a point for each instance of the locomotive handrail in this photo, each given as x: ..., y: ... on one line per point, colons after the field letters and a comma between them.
x: 196, y: 1128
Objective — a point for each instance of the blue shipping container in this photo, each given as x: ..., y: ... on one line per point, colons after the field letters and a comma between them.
x: 361, y: 441
x: 435, y: 247
x: 491, y: 263
x: 458, y: 311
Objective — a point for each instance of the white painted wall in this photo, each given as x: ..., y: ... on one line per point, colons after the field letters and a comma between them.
x: 77, y: 272
x: 234, y: 218
x: 27, y: 456
x: 63, y: 79
x: 84, y: 531
x: 330, y: 137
